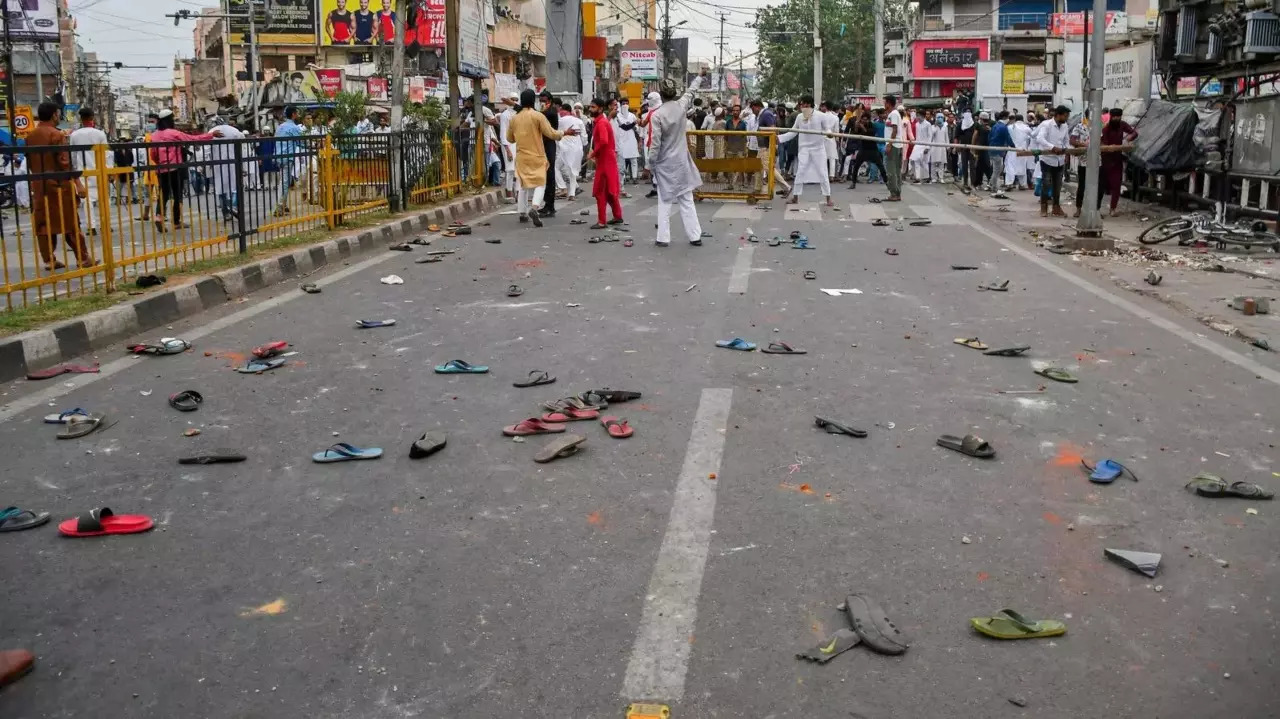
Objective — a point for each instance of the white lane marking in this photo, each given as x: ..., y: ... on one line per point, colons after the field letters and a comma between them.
x: 741, y: 271
x: 867, y: 213
x: 38, y: 399
x: 1204, y: 343
x: 660, y: 655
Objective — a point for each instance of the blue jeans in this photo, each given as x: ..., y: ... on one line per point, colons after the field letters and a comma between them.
x: 227, y: 203
x: 873, y: 174
x: 288, y: 176
x: 495, y: 174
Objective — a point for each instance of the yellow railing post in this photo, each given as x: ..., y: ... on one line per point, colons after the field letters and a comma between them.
x: 448, y: 166
x: 328, y: 186
x: 481, y: 168
x: 103, y: 190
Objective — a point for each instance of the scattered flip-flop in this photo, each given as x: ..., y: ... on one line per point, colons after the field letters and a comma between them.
x: 433, y: 228
x: 880, y: 222
x: 167, y: 346
x: 420, y: 241
x: 802, y: 243
x: 922, y: 222
x: 537, y: 378
x: 782, y: 348
x: 428, y: 260
x: 78, y: 425
x: 493, y: 241
x: 1057, y: 374
x: 560, y: 447
x: 145, y: 281
x: 890, y: 251
x: 59, y: 370
x: 344, y: 452
x: 1153, y: 278
x: 1107, y: 471
x: 964, y: 267
x: 570, y: 414
x: 428, y: 444
x: 1211, y: 485
x: 1147, y: 563
x: 460, y: 367
x: 259, y: 366
x: 310, y: 288
x: 370, y: 324
x: 392, y: 280
x: 774, y: 242
x: 839, y: 642
x: 873, y: 625
x: 514, y: 291
x: 271, y: 349
x: 188, y: 400
x: 971, y: 343
x: 401, y: 247
x: 617, y: 428
x: 61, y: 417
x: 219, y: 456
x: 810, y: 275
x: 615, y: 395
x: 1008, y: 351
x: 970, y: 444
x: 1009, y: 624
x: 874, y: 200
x: 577, y: 402
x: 14, y: 519
x: 533, y: 425
x: 737, y: 343
x: 995, y: 286
x: 102, y: 521
x: 833, y: 427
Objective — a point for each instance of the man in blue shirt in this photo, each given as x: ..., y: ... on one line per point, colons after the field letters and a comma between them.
x: 1001, y: 142
x: 288, y: 151
x: 877, y: 128
x: 768, y: 118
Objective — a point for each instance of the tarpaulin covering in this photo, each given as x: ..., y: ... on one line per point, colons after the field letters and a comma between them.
x: 1166, y: 136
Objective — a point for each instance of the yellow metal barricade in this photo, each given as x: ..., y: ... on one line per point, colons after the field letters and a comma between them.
x: 730, y: 169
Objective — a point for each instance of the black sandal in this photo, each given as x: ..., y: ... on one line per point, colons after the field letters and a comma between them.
x: 428, y: 444
x: 837, y: 428
x: 970, y: 444
x: 187, y: 400
x: 536, y: 377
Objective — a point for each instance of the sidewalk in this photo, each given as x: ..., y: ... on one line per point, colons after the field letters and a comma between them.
x: 1199, y: 282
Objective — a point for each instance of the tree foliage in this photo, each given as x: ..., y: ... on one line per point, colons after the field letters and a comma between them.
x: 847, y: 28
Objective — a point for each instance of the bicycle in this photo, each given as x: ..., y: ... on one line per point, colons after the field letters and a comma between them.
x: 1198, y: 227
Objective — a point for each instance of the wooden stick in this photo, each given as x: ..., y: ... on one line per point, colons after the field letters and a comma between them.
x: 978, y: 148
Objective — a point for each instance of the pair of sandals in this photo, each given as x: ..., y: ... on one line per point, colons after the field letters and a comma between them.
x: 869, y: 624
x: 1211, y: 485
x: 167, y: 346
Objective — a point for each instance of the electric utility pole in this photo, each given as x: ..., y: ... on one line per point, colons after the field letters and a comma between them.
x: 1090, y: 224
x: 817, y: 56
x: 399, y: 197
x: 720, y: 82
x: 451, y: 59
x: 666, y: 40
x: 8, y: 72
x: 879, y: 89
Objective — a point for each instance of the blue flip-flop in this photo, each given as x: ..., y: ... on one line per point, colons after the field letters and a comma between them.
x: 370, y: 324
x: 1107, y: 471
x: 460, y: 367
x: 737, y: 343
x: 61, y: 417
x: 257, y: 366
x: 341, y: 452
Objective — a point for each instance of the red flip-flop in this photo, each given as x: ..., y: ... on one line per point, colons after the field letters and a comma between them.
x: 270, y: 349
x: 59, y: 370
x: 570, y: 414
x: 101, y: 521
x: 617, y: 428
x: 533, y: 425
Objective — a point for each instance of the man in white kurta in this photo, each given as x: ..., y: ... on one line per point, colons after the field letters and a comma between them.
x: 811, y: 159
x: 84, y: 159
x: 624, y: 134
x: 1015, y: 167
x: 919, y: 161
x: 508, y: 148
x: 223, y: 157
x: 938, y: 155
x: 674, y: 174
x: 830, y: 123
x: 569, y: 154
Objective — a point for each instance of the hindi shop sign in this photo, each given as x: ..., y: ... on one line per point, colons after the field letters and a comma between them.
x: 639, y: 65
x: 942, y: 58
x: 949, y: 59
x: 1126, y: 75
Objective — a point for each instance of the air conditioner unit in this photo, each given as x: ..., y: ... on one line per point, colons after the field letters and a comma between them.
x: 1262, y: 33
x: 1185, y: 48
x: 1213, y: 52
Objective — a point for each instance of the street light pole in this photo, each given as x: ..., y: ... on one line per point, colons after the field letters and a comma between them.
x: 879, y: 89
x: 1090, y: 223
x: 817, y: 55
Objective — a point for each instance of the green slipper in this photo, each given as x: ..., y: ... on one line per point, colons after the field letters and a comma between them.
x: 1009, y: 624
x: 1057, y: 373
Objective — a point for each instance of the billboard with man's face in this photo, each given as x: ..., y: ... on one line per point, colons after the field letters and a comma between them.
x: 302, y: 87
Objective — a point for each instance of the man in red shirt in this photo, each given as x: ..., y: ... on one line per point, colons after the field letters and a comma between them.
x: 387, y: 23
x: 1115, y: 132
x: 607, y: 186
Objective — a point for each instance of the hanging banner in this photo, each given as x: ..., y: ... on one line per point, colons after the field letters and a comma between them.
x: 417, y: 89
x: 330, y: 81
x: 302, y: 87
x: 358, y: 22
x: 287, y: 22
x: 1012, y: 79
x: 33, y: 20
x: 1072, y: 23
x: 377, y: 89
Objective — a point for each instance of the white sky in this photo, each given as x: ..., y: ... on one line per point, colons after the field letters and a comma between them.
x: 136, y: 32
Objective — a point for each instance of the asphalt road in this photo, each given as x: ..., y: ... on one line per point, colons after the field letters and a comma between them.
x: 476, y: 583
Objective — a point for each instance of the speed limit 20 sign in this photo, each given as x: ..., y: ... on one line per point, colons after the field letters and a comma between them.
x: 22, y: 120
